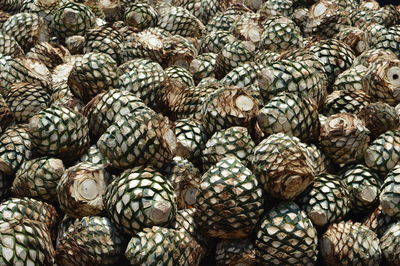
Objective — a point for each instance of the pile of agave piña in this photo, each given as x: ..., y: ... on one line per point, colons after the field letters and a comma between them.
x: 199, y: 132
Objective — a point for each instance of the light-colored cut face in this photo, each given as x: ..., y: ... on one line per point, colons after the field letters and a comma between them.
x: 393, y: 75
x: 244, y: 103
x: 190, y: 195
x: 88, y: 189
x: 320, y: 9
x: 160, y: 212
x: 70, y: 16
x: 361, y: 46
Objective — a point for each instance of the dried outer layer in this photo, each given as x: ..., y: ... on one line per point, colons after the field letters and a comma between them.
x: 29, y: 209
x: 6, y: 116
x: 139, y: 198
x: 379, y: 118
x: 25, y: 100
x: 373, y: 55
x: 38, y: 178
x: 108, y: 107
x: 364, y: 186
x: 158, y: 245
x: 382, y: 82
x: 344, y: 138
x: 390, y: 244
x: 143, y: 138
x: 291, y: 76
x: 326, y: 200
x: 15, y: 148
x: 28, y: 29
x: 284, y: 166
x: 59, y: 131
x: 350, y: 79
x: 49, y: 53
x: 81, y: 189
x: 90, y: 240
x: 185, y: 179
x: 233, y: 141
x: 25, y: 242
x: 227, y: 107
x: 96, y: 72
x: 345, y: 101
x: 190, y: 137
x: 9, y: 46
x: 350, y: 243
x: 73, y: 19
x: 280, y: 33
x: 384, y: 152
x: 292, y: 114
x: 231, y: 252
x: 379, y: 222
x: 286, y: 236
x: 229, y: 201
x: 390, y: 193
x: 355, y: 38
x: 249, y: 27
x: 178, y: 51
x: 334, y: 55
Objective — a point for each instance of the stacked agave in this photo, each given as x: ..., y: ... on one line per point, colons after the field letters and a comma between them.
x: 199, y: 132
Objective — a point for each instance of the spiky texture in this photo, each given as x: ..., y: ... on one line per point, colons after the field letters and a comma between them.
x: 345, y: 101
x: 180, y: 74
x: 243, y: 75
x: 330, y: 52
x: 25, y: 242
x: 223, y: 21
x: 390, y: 193
x: 140, y: 197
x: 90, y: 240
x: 280, y: 34
x: 104, y: 39
x: 326, y: 200
x: 59, y: 131
x: 390, y: 244
x: 230, y: 200
x: 274, y: 156
x: 51, y: 54
x: 190, y: 137
x: 233, y: 251
x: 9, y: 46
x: 350, y: 79
x: 350, y: 243
x: 179, y: 21
x: 15, y: 148
x: 286, y: 236
x: 215, y: 41
x: 108, y: 107
x: 167, y: 246
x: 291, y: 76
x: 185, y: 179
x: 233, y: 55
x: 29, y: 209
x: 73, y: 19
x: 202, y: 66
x: 141, y: 16
x: 25, y: 100
x: 145, y: 138
x: 344, y: 138
x: 384, y: 152
x: 379, y: 118
x: 233, y: 141
x: 364, y: 187
x: 382, y: 82
x: 96, y: 72
x: 81, y: 188
x: 291, y: 114
x: 38, y: 178
x: 28, y: 29
x: 235, y: 108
